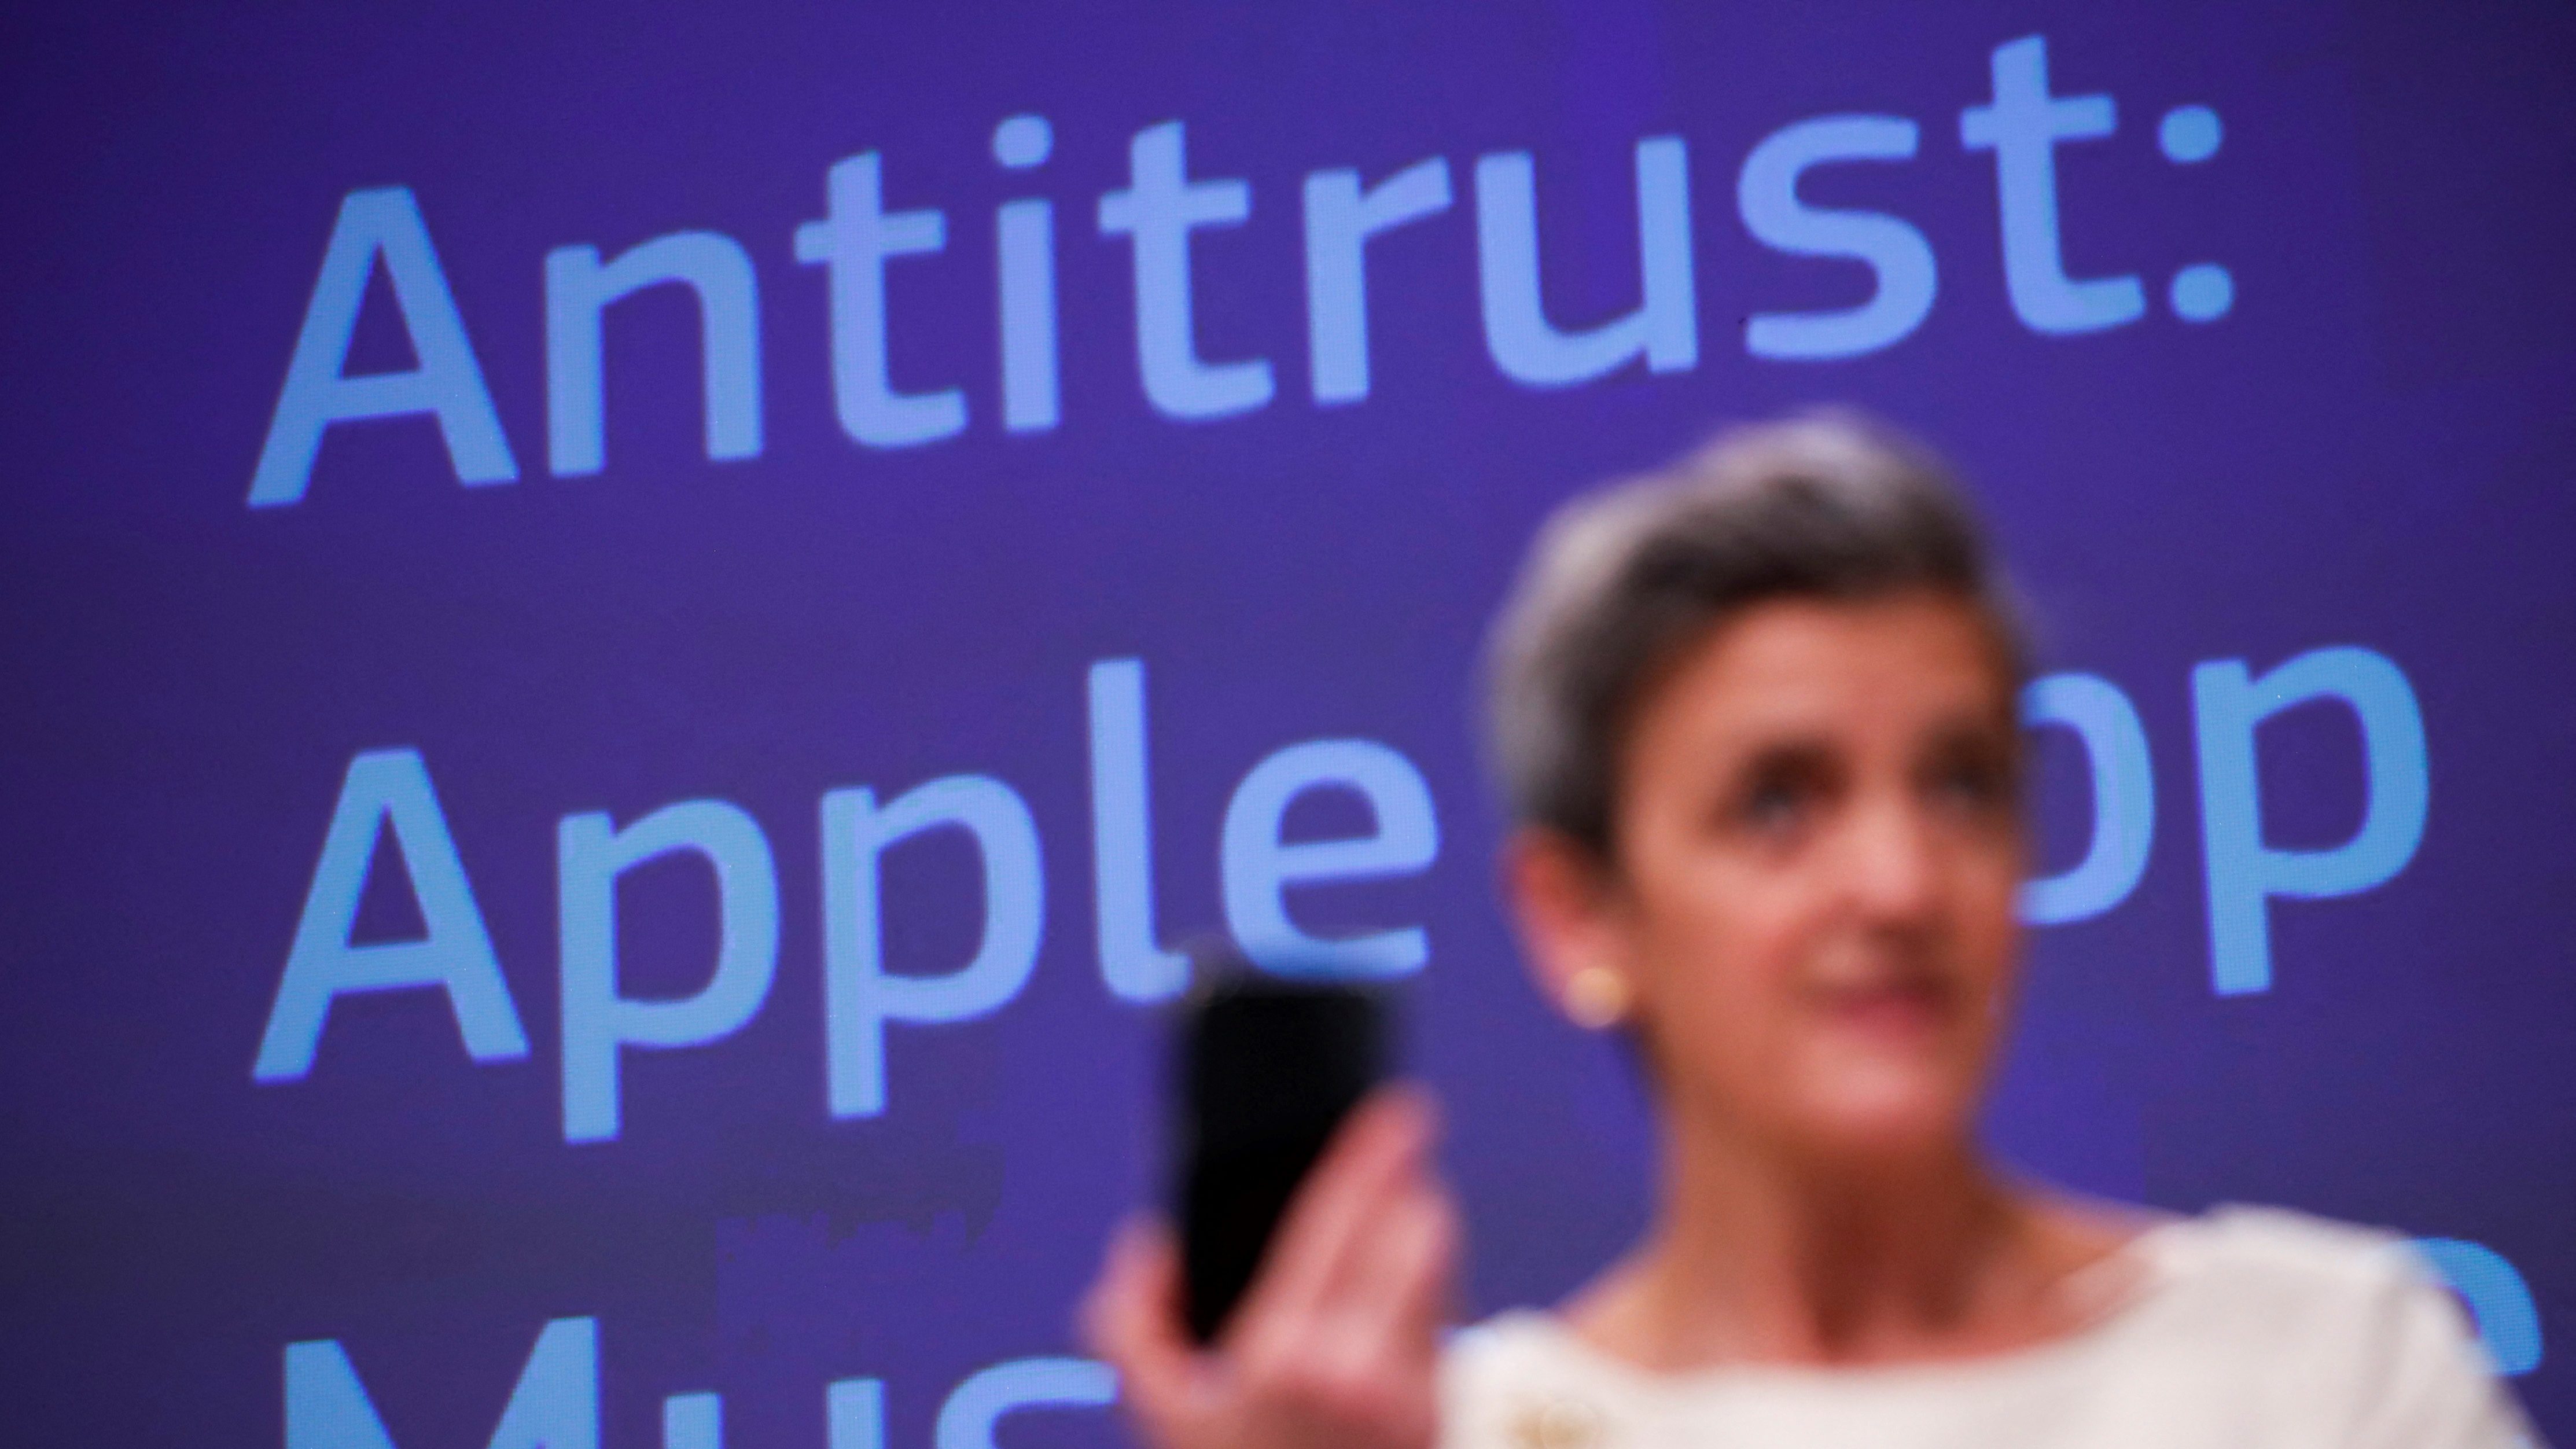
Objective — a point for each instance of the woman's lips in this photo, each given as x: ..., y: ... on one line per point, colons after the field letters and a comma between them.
x: 1904, y: 1010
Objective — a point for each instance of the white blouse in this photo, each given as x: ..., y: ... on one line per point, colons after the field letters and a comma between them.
x: 2251, y: 1328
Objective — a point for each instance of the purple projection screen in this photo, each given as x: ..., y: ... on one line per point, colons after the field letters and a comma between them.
x: 632, y: 632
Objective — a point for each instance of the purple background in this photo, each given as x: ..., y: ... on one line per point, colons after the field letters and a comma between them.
x: 2370, y: 448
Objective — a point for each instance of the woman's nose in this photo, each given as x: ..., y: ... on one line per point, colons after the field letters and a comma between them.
x: 1893, y: 864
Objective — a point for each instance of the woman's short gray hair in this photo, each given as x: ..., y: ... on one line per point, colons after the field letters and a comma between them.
x: 1828, y: 505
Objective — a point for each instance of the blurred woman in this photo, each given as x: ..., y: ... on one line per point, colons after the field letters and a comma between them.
x: 1755, y: 718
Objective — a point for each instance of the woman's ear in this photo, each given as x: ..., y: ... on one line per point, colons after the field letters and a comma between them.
x: 1565, y: 903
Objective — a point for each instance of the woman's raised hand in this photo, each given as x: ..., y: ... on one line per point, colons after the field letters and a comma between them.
x: 1336, y: 1345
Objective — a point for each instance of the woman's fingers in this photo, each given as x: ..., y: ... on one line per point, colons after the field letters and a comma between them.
x: 1132, y: 1321
x: 1396, y: 1291
x: 1336, y: 1344
x: 1358, y: 1364
x: 1375, y: 1156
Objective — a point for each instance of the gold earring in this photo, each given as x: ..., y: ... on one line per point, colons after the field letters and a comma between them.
x: 1596, y: 997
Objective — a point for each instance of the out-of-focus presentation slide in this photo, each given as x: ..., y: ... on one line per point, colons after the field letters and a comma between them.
x: 637, y: 637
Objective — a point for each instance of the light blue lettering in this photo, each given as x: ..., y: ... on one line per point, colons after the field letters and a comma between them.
x: 1158, y: 210
x: 448, y: 383
x: 2202, y: 292
x: 326, y: 1405
x: 1664, y: 329
x: 2243, y: 873
x: 1258, y: 866
x: 1122, y: 839
x: 2500, y: 1302
x: 2189, y: 135
x: 579, y: 288
x: 693, y: 1421
x: 597, y: 1021
x: 1025, y: 275
x: 454, y: 953
x: 1340, y: 219
x: 859, y: 995
x: 554, y: 1405
x: 975, y: 1407
x: 854, y: 241
x: 2124, y: 796
x: 854, y: 1414
x: 1766, y: 194
x: 2022, y: 127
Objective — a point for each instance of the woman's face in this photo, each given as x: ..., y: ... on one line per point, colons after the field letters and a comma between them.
x: 1815, y: 861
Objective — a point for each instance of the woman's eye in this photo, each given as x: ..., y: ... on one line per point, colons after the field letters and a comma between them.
x: 1780, y: 791
x: 1774, y: 804
x: 1973, y: 786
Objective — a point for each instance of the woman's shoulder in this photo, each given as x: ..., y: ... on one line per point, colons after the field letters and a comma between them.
x: 2237, y: 1315
x: 2287, y: 1241
x: 2248, y: 1263
x: 1520, y: 1379
x: 1518, y: 1347
x: 2260, y: 1262
x: 2323, y: 1312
